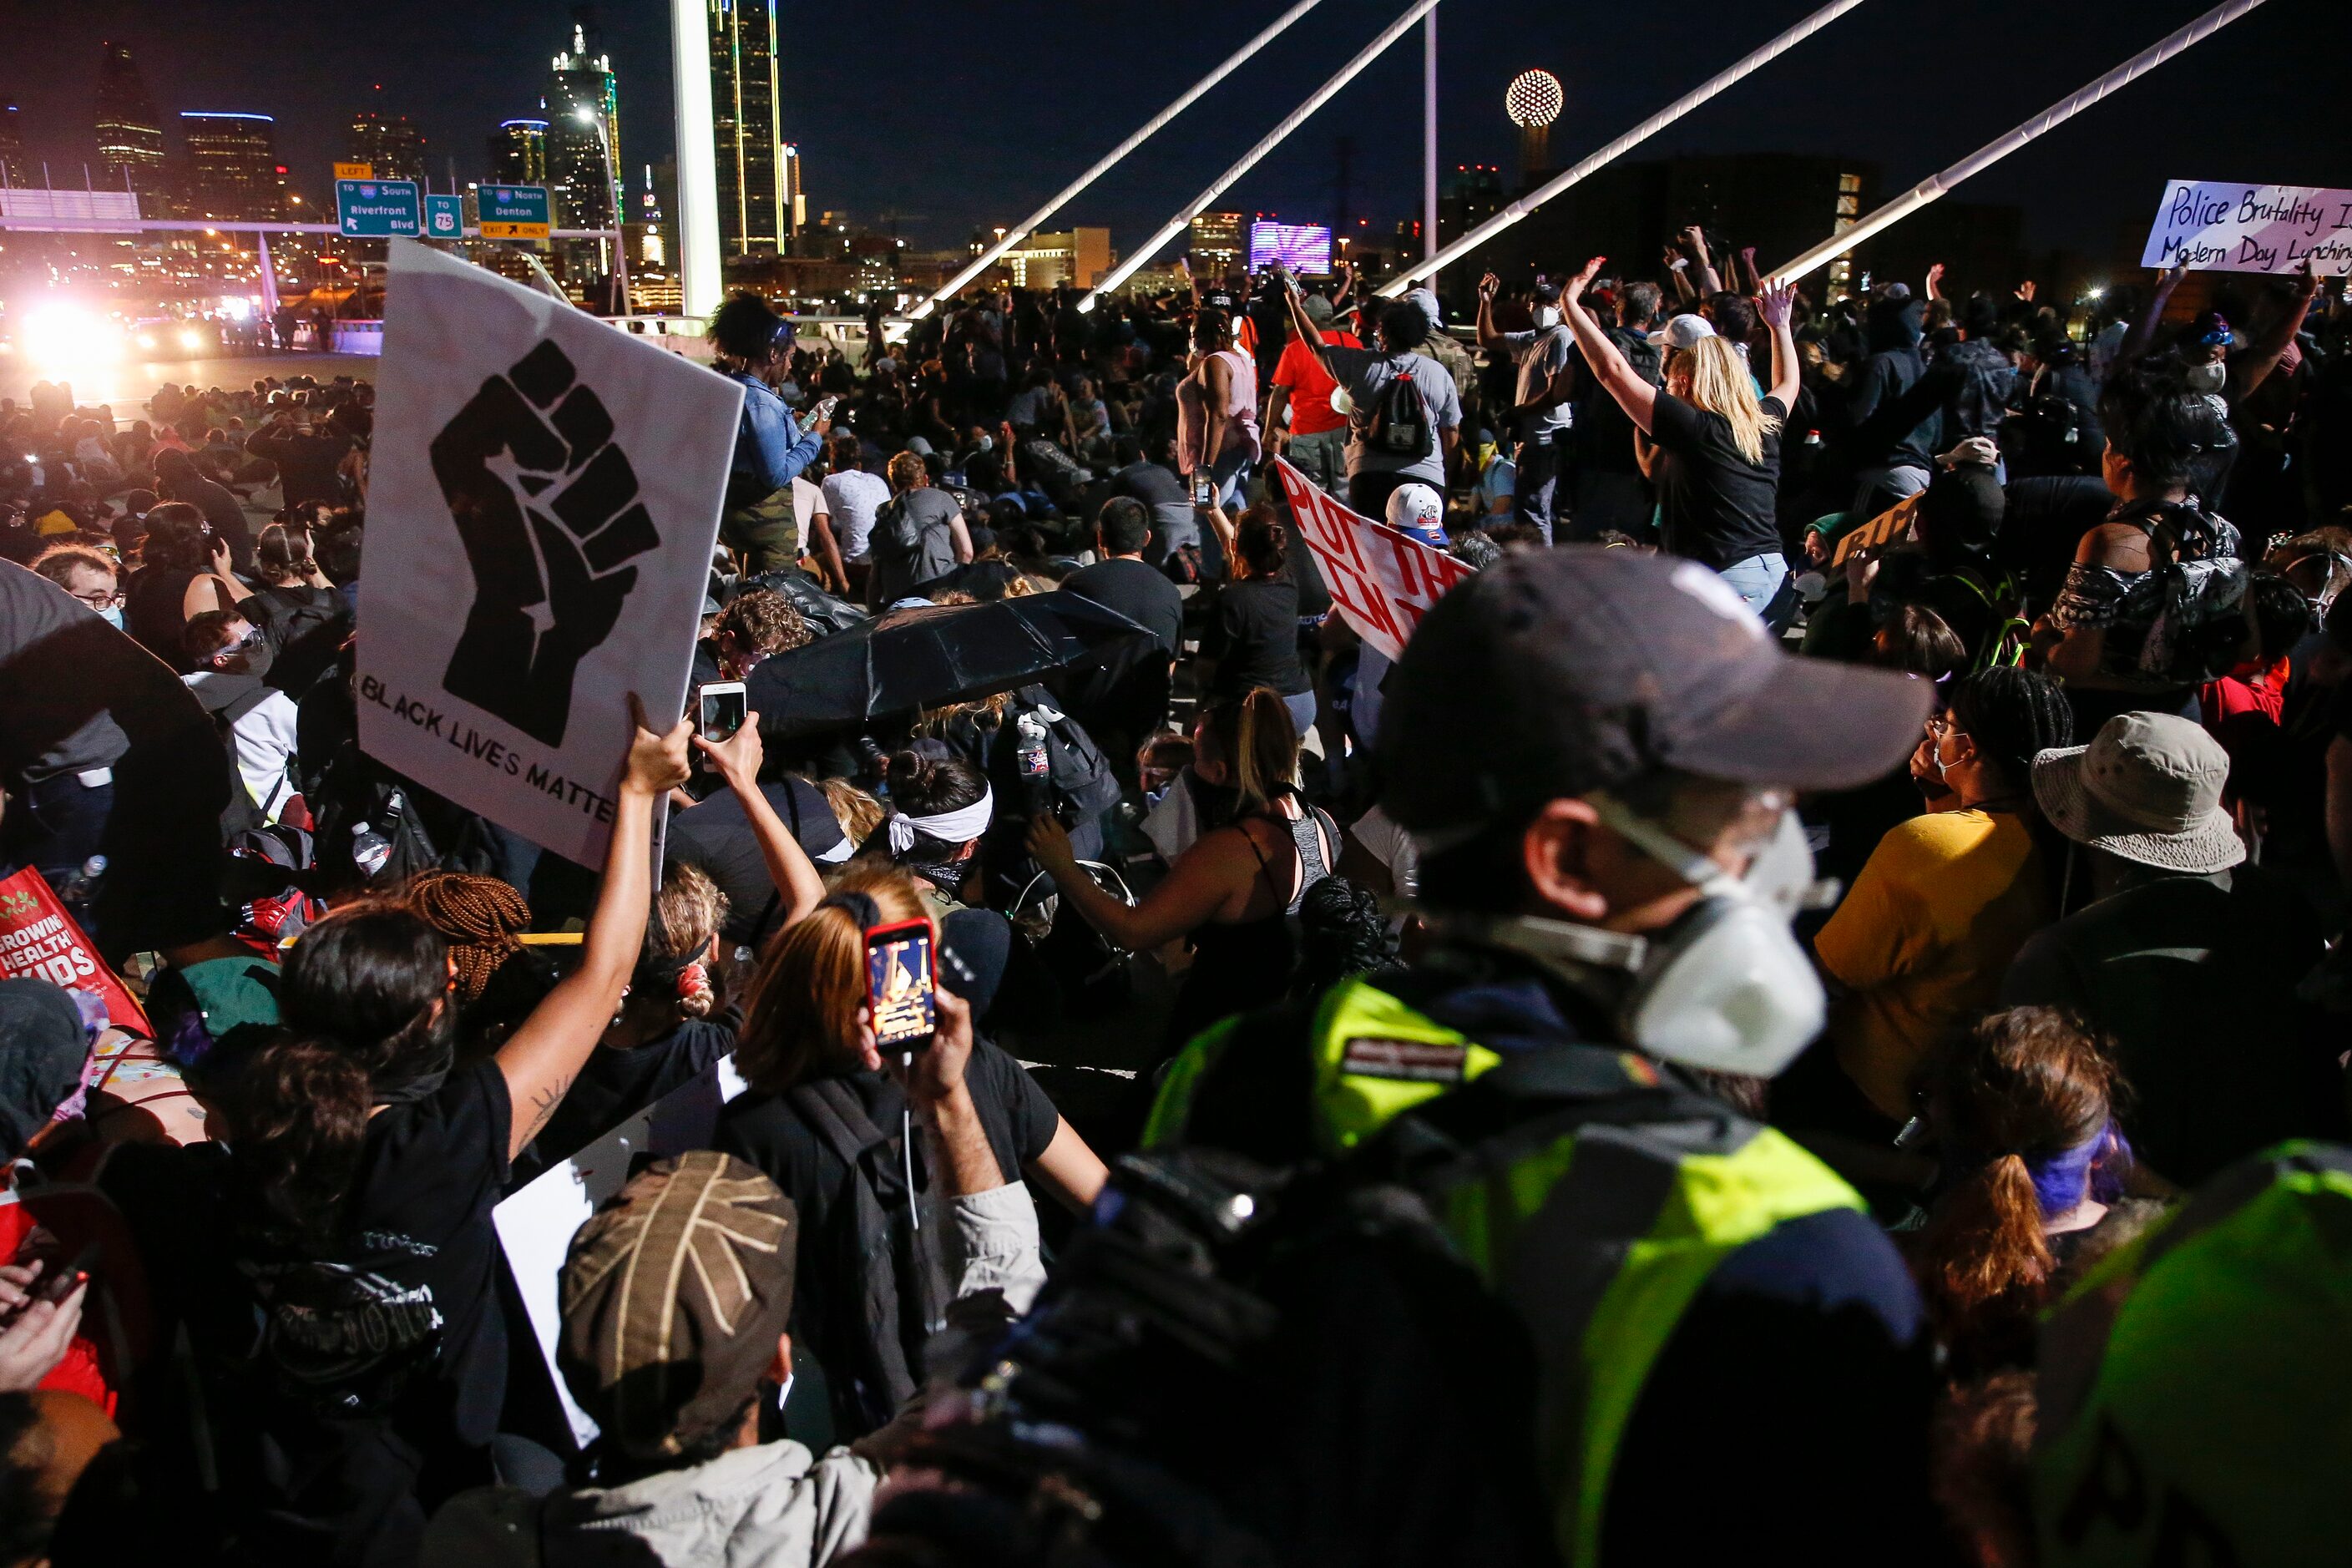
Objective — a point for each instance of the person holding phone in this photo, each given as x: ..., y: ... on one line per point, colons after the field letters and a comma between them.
x: 824, y: 1120
x: 752, y: 345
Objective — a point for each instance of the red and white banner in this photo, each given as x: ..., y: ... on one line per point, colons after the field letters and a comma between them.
x: 1383, y: 581
x: 38, y: 941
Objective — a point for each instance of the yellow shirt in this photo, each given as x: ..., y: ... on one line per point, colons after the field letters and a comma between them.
x: 1923, y: 939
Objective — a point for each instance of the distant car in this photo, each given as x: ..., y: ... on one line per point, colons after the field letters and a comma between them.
x: 165, y: 338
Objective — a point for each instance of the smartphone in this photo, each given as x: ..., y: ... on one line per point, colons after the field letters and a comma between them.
x: 900, y: 986
x: 1204, y: 490
x: 58, y: 1282
x: 722, y: 708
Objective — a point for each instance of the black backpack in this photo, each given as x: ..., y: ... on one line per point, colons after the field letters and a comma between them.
x: 1399, y: 423
x: 242, y: 814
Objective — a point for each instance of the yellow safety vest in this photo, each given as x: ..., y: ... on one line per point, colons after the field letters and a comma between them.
x: 1668, y: 1201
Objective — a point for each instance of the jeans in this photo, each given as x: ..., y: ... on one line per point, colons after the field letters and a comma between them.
x: 1231, y: 474
x: 1542, y: 486
x: 1302, y: 712
x: 1756, y: 579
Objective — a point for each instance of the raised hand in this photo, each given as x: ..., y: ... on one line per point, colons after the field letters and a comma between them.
x: 656, y: 760
x: 1776, y: 303
x: 1575, y: 287
x: 1935, y: 279
x: 546, y: 508
x: 1488, y: 286
x: 2025, y: 290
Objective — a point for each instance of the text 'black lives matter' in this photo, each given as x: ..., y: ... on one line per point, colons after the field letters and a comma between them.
x: 547, y: 508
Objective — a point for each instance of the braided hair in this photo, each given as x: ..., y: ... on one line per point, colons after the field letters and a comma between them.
x: 2012, y: 714
x: 478, y: 917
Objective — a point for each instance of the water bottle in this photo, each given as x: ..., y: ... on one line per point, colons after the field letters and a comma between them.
x: 1029, y: 757
x: 80, y: 885
x: 370, y: 850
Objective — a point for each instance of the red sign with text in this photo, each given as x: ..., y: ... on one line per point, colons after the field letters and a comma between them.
x: 1382, y: 580
x: 38, y: 941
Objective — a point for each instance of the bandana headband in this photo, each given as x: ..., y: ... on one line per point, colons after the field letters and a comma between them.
x: 960, y: 825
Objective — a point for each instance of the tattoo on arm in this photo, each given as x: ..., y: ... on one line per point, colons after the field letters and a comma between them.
x: 544, y: 1102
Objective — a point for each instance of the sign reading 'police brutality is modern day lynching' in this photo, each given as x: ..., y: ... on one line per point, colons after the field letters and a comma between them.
x: 544, y: 496
x: 2213, y: 226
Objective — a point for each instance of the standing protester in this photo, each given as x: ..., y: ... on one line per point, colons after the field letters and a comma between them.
x: 752, y: 345
x: 1717, y: 495
x: 1300, y: 416
x: 1216, y: 419
x: 1404, y: 417
x: 1543, y: 411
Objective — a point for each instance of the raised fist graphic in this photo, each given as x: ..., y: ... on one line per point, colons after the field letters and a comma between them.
x: 547, y: 508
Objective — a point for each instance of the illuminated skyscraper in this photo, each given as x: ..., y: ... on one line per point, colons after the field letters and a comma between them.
x: 11, y: 146
x: 233, y: 167
x: 388, y: 141
x: 795, y: 193
x: 129, y: 131
x: 518, y: 152
x: 754, y: 214
x: 583, y: 180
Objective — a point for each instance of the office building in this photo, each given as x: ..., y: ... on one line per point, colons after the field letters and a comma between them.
x: 795, y: 193
x: 233, y: 170
x: 1048, y: 259
x: 389, y: 144
x: 518, y: 152
x: 754, y: 214
x: 13, y: 166
x: 1219, y: 242
x: 582, y: 98
x: 130, y: 130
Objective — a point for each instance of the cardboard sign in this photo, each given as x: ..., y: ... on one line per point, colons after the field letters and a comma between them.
x: 1382, y: 580
x: 536, y: 1225
x: 39, y: 941
x: 1887, y: 528
x: 2213, y: 226
x: 542, y: 505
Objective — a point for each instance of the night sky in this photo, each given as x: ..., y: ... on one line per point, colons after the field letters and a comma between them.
x: 957, y: 114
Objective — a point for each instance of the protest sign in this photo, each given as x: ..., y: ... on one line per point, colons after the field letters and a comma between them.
x: 1380, y: 579
x: 2213, y: 226
x: 1889, y: 526
x: 39, y: 941
x: 542, y: 499
x: 536, y: 1225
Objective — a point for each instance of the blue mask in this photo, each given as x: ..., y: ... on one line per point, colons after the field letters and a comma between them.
x: 112, y: 617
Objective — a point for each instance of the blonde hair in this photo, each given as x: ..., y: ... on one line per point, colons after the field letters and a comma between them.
x: 801, y: 1022
x: 1720, y: 385
x: 692, y: 909
x: 858, y: 812
x: 1255, y: 737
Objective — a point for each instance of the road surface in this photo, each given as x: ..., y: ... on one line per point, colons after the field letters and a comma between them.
x: 125, y: 387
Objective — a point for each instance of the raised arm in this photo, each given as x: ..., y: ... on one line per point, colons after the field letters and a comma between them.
x: 737, y: 760
x: 1636, y: 396
x: 1936, y: 281
x: 542, y: 1057
x: 1488, y: 338
x: 1787, y: 378
x: 2143, y: 332
x: 2255, y: 367
x: 1694, y: 244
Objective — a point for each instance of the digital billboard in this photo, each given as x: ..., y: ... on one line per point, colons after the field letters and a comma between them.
x: 1304, y: 247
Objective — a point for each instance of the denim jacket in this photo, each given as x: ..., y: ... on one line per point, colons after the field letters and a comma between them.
x: 770, y: 447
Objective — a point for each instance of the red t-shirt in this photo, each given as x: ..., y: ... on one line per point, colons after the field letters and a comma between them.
x: 81, y: 1372
x: 1310, y: 389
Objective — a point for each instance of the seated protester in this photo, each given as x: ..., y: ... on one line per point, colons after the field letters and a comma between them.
x: 825, y: 1122
x: 48, y: 1043
x: 87, y: 573
x: 2187, y: 959
x: 1036, y: 759
x: 1232, y: 893
x: 178, y: 479
x: 2029, y: 1159
x: 2241, y: 709
x: 297, y: 608
x: 1343, y: 934
x: 497, y: 981
x: 1251, y: 641
x: 675, y: 1336
x: 919, y: 534
x: 1121, y: 704
x: 2154, y: 603
x: 940, y: 806
x: 1921, y: 941
x: 717, y: 837
x: 351, y: 1223
x: 753, y: 628
x: 186, y: 573
x: 230, y: 656
x: 1915, y: 641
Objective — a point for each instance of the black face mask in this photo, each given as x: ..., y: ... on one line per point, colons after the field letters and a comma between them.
x: 257, y: 658
x: 423, y: 1069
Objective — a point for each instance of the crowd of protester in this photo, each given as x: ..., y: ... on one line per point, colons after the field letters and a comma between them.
x: 1492, y: 1143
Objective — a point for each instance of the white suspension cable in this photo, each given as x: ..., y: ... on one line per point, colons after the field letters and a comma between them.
x: 1028, y: 225
x: 1991, y: 152
x: 1715, y: 84
x: 1298, y: 117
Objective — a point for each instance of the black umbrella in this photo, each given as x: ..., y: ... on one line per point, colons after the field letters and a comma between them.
x: 931, y: 655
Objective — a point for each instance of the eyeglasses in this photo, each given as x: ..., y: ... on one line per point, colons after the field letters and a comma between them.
x: 1940, y: 724
x: 100, y: 601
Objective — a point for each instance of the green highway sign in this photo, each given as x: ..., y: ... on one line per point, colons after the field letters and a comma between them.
x: 377, y: 209
x: 512, y: 212
x: 444, y: 217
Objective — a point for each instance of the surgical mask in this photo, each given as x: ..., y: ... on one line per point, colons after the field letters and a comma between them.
x: 1547, y: 317
x: 1726, y: 988
x: 112, y: 617
x: 2208, y: 378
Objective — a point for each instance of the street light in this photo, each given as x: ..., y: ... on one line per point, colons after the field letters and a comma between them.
x: 589, y: 117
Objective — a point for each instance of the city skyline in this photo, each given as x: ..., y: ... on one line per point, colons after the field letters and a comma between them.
x: 993, y: 141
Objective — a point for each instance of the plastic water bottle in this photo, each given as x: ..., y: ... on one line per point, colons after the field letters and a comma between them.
x: 80, y: 886
x: 370, y: 850
x: 1029, y: 757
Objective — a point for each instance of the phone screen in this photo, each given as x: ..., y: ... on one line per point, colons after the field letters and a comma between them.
x: 723, y: 709
x: 1205, y: 491
x: 899, y: 986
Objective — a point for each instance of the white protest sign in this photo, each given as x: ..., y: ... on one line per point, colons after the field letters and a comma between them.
x: 2213, y: 226
x: 542, y: 499
x: 536, y: 1225
x: 1381, y: 580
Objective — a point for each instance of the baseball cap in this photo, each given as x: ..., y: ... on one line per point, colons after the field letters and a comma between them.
x: 673, y: 1294
x: 1318, y: 309
x: 1419, y: 511
x: 1555, y: 672
x: 1682, y: 332
x: 1546, y: 293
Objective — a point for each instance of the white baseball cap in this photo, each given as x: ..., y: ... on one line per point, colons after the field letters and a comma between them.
x: 1419, y: 511
x: 1682, y: 333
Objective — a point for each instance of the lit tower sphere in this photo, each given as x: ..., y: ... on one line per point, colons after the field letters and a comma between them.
x: 1534, y: 100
